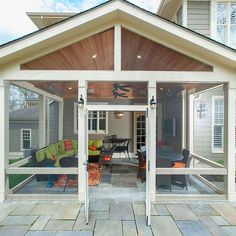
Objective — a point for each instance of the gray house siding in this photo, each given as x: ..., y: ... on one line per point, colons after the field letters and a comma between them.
x: 53, y: 122
x: 203, y: 127
x: 122, y: 127
x: 15, y: 134
x: 172, y: 107
x: 198, y: 17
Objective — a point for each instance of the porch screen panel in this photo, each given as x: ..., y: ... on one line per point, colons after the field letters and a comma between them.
x: 218, y: 124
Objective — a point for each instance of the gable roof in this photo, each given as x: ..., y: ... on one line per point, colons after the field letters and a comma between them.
x: 110, y: 10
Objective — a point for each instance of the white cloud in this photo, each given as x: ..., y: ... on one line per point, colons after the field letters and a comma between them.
x: 15, y: 23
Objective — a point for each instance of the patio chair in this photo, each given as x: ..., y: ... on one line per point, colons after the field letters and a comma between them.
x: 141, y: 166
x: 106, y: 154
x: 123, y: 147
x: 182, y: 180
x: 163, y: 181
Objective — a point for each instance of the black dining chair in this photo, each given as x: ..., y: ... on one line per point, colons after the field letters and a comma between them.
x: 183, y: 180
x: 123, y: 148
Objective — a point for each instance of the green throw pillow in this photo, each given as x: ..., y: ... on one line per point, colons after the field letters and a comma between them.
x: 48, y: 154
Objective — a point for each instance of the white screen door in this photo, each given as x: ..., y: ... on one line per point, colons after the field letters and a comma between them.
x: 148, y: 200
x: 86, y: 202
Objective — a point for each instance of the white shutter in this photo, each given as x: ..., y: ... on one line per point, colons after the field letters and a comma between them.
x: 218, y: 124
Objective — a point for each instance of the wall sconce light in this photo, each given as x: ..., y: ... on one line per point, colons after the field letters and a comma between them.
x: 153, y: 103
x: 118, y: 114
x: 81, y: 101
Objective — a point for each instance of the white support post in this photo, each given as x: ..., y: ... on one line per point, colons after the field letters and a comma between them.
x: 4, y: 138
x: 190, y: 123
x: 117, y: 47
x: 42, y: 121
x: 48, y: 122
x: 229, y: 139
x: 185, y: 13
x: 81, y: 140
x: 184, y: 118
x: 152, y: 140
x: 213, y: 19
x: 60, y: 118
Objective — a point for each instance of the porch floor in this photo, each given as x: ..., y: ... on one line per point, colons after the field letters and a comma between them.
x: 121, y: 184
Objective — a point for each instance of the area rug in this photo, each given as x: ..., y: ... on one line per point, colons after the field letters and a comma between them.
x: 95, y: 173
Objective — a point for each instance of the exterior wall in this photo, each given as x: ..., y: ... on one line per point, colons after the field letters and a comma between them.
x: 15, y: 134
x: 203, y: 127
x: 172, y: 107
x: 179, y: 16
x: 122, y: 127
x: 198, y: 17
x: 53, y: 122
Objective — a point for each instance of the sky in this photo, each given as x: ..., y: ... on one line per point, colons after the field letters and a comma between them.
x: 14, y: 22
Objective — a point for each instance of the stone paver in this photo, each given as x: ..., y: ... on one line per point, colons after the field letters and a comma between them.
x: 117, y: 218
x: 10, y: 230
x: 227, y: 211
x: 121, y: 211
x: 143, y: 229
x: 230, y: 230
x: 164, y: 226
x: 6, y: 209
x: 74, y: 233
x: 192, y: 228
x: 40, y: 223
x: 80, y: 223
x: 181, y: 212
x: 45, y: 209
x: 219, y: 220
x: 139, y: 209
x: 19, y: 220
x: 99, y: 206
x: 67, y: 212
x: 129, y: 228
x: 201, y: 209
x: 108, y: 228
x: 23, y: 209
x: 162, y: 210
x: 59, y: 225
x: 41, y: 233
x: 212, y: 226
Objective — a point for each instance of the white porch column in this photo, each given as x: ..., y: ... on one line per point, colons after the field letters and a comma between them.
x: 42, y: 121
x: 81, y: 140
x: 117, y: 48
x: 152, y: 140
x: 61, y: 115
x: 185, y: 13
x: 229, y: 143
x: 4, y: 137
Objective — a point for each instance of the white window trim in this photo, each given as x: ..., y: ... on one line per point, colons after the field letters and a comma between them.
x: 213, y: 149
x: 228, y: 19
x: 21, y: 138
x: 89, y: 131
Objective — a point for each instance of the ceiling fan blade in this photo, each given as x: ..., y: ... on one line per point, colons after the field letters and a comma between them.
x: 124, y: 89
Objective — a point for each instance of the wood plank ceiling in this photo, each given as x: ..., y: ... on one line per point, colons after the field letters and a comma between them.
x: 139, y: 53
x: 93, y: 53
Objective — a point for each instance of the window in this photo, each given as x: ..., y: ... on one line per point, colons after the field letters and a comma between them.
x: 25, y: 138
x: 218, y: 124
x: 97, y: 121
x: 226, y: 23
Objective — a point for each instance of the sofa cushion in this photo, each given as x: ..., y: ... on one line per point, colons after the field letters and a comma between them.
x: 75, y: 144
x: 68, y: 145
x: 61, y: 146
x: 48, y: 154
x: 52, y: 149
x: 40, y: 155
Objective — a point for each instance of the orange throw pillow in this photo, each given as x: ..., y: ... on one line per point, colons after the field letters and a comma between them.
x: 92, y: 147
x: 54, y: 157
x: 107, y: 158
x: 68, y: 145
x: 179, y: 165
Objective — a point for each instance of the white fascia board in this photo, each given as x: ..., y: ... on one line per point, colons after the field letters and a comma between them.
x: 169, y: 29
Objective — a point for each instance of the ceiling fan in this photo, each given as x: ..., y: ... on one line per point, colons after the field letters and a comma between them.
x: 120, y: 90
